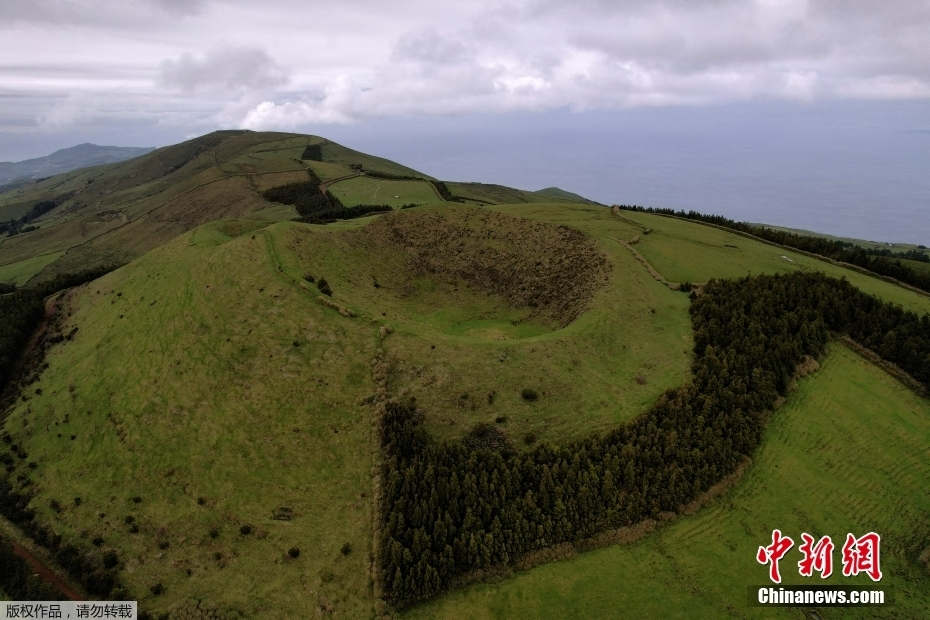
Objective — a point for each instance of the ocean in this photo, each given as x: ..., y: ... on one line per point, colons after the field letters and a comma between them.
x: 853, y: 169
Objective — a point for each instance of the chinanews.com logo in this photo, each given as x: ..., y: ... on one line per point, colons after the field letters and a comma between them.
x: 859, y: 555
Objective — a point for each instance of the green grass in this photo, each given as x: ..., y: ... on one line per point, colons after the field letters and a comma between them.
x: 326, y: 170
x: 373, y: 191
x: 500, y: 194
x: 484, y: 192
x: 19, y: 273
x: 202, y: 371
x: 847, y: 452
x: 338, y: 154
x: 688, y: 251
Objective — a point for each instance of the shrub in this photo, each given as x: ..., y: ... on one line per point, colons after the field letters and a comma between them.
x: 501, y: 419
x: 486, y: 437
x: 157, y: 589
x: 163, y: 544
x: 346, y: 548
x: 293, y: 552
x: 324, y: 288
x: 98, y: 541
x: 309, y: 278
x: 214, y: 533
x: 136, y: 500
x: 99, y: 583
x: 245, y: 530
x: 529, y: 438
x: 529, y: 394
x: 110, y: 559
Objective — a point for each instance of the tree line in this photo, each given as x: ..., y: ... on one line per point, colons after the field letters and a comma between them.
x: 878, y: 260
x: 315, y: 206
x: 450, y: 508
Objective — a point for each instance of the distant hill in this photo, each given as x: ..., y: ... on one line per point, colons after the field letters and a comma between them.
x: 113, y: 213
x: 557, y: 194
x: 68, y: 159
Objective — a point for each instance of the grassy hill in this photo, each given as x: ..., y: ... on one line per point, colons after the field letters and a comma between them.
x: 216, y: 409
x: 108, y: 215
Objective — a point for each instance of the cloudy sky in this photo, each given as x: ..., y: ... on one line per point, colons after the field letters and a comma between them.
x: 152, y: 72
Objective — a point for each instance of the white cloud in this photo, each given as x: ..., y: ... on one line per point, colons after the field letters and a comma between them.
x: 233, y: 69
x: 286, y: 64
x: 334, y: 106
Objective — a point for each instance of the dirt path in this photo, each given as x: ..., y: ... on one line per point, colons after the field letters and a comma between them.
x: 658, y: 277
x: 327, y: 184
x: 47, y: 575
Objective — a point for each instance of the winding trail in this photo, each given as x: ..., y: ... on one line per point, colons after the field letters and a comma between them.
x: 658, y: 277
x: 40, y: 563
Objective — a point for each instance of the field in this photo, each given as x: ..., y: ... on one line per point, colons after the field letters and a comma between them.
x: 326, y: 170
x: 687, y: 251
x: 372, y: 191
x: 338, y: 154
x: 19, y: 273
x: 847, y: 452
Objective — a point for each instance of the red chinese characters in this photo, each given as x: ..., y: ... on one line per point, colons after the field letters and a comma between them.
x: 773, y: 553
x: 817, y: 557
x: 860, y: 555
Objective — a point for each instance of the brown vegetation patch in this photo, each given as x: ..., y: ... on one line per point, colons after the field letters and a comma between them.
x: 555, y: 270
